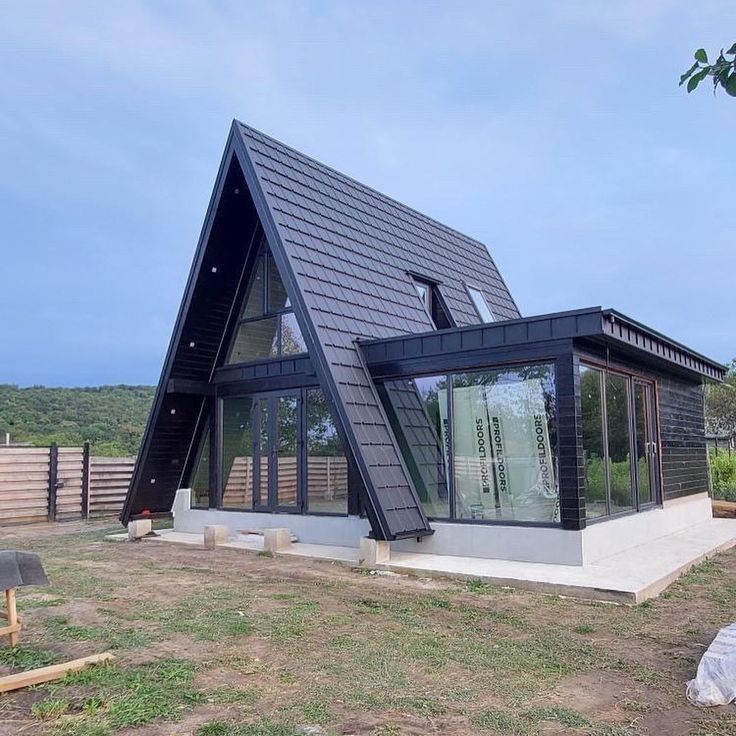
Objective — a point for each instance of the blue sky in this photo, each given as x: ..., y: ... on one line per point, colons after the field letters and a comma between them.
x: 552, y: 131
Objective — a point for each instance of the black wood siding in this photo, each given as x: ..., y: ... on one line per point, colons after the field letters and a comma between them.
x: 682, y: 435
x: 214, y: 281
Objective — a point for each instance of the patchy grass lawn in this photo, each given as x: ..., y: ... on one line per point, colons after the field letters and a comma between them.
x: 226, y: 643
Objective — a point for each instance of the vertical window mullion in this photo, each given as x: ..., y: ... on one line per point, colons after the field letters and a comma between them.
x: 606, y: 456
x: 450, y: 449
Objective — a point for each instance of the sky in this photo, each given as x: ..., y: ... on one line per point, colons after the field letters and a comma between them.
x: 554, y: 132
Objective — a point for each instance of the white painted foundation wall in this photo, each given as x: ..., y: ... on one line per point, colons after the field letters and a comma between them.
x: 523, y: 544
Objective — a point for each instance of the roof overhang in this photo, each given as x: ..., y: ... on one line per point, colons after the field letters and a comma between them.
x: 534, y: 338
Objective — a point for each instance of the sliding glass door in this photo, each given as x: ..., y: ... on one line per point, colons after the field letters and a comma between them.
x: 647, y: 459
x: 619, y: 442
x: 276, y: 452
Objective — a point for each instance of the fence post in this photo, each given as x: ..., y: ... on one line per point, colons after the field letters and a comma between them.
x: 53, y: 479
x: 85, y: 480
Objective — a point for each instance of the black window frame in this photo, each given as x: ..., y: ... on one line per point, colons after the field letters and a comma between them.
x: 213, y: 423
x: 471, y: 290
x: 550, y: 361
x: 264, y: 258
x: 434, y: 304
x: 655, y: 492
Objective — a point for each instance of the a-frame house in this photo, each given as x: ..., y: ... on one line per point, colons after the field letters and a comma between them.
x: 344, y: 359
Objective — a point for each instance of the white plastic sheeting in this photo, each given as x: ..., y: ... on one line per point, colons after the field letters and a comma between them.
x: 715, y: 681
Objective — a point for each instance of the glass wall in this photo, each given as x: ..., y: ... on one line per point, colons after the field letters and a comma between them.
x: 417, y: 411
x: 237, y: 452
x: 327, y: 464
x: 618, y: 418
x: 617, y: 431
x: 504, y: 442
x: 503, y: 436
x: 201, y: 476
x: 591, y: 391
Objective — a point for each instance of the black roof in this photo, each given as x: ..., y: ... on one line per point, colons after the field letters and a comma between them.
x: 346, y: 253
x: 466, y: 347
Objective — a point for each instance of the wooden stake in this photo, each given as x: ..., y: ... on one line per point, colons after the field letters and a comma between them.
x: 54, y: 672
x: 13, y: 627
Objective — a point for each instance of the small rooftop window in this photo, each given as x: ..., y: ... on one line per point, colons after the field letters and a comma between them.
x: 429, y: 294
x: 481, y: 305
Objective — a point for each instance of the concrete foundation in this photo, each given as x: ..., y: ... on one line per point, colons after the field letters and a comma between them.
x: 627, y: 559
x: 544, y: 545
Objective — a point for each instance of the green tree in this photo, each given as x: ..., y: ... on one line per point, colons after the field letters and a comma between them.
x: 720, y: 405
x: 722, y: 70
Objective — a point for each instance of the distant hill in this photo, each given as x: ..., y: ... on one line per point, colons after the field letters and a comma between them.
x: 112, y: 418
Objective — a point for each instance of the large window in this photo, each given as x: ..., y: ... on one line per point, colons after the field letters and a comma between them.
x: 417, y: 411
x: 619, y: 441
x: 201, y: 475
x: 237, y: 452
x: 327, y: 464
x: 484, y: 451
x: 267, y: 327
x: 281, y: 451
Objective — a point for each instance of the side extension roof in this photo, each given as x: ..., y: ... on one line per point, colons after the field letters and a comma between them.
x: 345, y: 253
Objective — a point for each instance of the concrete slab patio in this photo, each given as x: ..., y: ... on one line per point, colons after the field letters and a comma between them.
x: 631, y: 576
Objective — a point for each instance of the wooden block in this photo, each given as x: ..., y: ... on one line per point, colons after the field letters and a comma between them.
x: 53, y: 672
x: 12, y: 616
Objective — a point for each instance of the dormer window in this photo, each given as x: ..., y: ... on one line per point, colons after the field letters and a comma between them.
x: 481, y: 305
x: 429, y: 294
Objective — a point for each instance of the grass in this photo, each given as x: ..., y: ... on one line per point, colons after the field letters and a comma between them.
x: 25, y: 657
x: 270, y: 647
x: 111, y: 697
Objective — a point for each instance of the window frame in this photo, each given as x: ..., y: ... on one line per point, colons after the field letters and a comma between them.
x: 434, y: 304
x: 264, y: 259
x: 449, y: 376
x: 472, y: 292
x: 631, y: 378
x: 215, y: 426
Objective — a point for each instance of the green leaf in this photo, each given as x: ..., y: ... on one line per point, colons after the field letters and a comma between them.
x: 730, y: 85
x: 688, y: 73
x: 701, y: 56
x: 696, y: 79
x: 732, y: 50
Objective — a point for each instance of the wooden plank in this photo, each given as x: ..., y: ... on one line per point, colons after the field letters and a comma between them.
x: 13, y: 627
x: 53, y: 672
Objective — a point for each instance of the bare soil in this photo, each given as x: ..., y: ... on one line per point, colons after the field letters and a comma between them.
x: 275, y: 645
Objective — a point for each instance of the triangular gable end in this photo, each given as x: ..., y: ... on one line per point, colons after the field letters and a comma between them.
x: 237, y: 214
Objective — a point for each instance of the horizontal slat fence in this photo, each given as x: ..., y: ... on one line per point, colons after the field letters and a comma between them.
x: 65, y: 483
x: 109, y: 478
x: 24, y: 485
x: 60, y: 484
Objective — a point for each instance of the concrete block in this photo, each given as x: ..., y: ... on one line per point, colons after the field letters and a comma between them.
x: 276, y: 539
x: 182, y: 502
x: 215, y: 534
x: 373, y: 552
x: 138, y: 528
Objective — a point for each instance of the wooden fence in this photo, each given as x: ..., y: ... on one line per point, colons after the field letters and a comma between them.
x: 60, y: 484
x: 65, y: 483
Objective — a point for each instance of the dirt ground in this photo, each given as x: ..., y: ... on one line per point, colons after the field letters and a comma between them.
x: 230, y: 643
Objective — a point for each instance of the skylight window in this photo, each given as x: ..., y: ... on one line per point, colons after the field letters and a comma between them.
x: 429, y: 295
x: 481, y: 305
